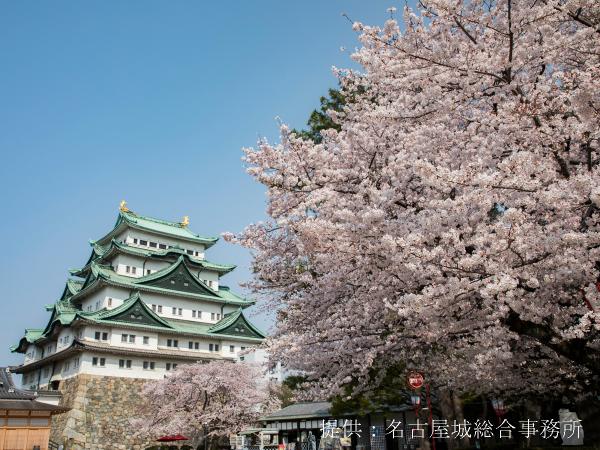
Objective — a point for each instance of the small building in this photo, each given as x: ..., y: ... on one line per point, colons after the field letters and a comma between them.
x: 301, y: 426
x: 24, y: 419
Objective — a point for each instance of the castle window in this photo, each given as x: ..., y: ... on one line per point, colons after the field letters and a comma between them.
x: 196, y: 345
x: 216, y: 347
x: 127, y: 269
x: 98, y: 361
x: 190, y: 252
x: 148, y: 365
x: 210, y: 347
x: 154, y: 308
x: 123, y: 338
x: 231, y: 348
x: 133, y: 270
x: 191, y: 345
x: 109, y: 302
x: 212, y: 316
x: 97, y: 335
x: 148, y: 271
x: 174, y: 311
x: 146, y: 340
x: 132, y: 338
x: 162, y: 246
x: 153, y: 244
x: 142, y: 242
x: 160, y: 308
x: 124, y: 364
x: 135, y: 241
x: 105, y: 336
x: 193, y: 313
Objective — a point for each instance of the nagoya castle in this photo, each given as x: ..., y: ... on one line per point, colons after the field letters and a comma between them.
x: 146, y: 301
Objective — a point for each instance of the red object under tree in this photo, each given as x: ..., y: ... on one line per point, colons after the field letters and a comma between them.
x: 176, y: 437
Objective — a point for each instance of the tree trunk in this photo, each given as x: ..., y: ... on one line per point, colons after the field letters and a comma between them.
x: 452, y: 410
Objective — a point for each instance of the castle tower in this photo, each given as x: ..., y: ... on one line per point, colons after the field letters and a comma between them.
x: 146, y: 301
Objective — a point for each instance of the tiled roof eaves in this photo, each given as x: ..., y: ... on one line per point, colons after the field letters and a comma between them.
x: 79, y: 346
x: 230, y: 319
x: 128, y: 220
x: 175, y: 330
x: 125, y: 248
x: 95, y: 284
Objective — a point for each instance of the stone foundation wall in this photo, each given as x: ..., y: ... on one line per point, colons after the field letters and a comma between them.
x: 101, y: 408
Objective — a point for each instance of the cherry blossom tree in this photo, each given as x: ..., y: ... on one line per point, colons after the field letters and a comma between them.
x: 205, y: 400
x: 451, y: 224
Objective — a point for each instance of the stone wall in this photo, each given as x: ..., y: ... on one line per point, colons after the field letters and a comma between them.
x: 101, y: 408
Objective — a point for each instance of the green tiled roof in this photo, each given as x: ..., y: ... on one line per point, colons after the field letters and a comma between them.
x: 162, y: 227
x: 72, y: 287
x: 107, y: 317
x: 227, y: 294
x: 65, y: 314
x: 100, y: 272
x: 234, y: 323
x: 31, y: 335
x: 177, y: 279
x: 103, y: 252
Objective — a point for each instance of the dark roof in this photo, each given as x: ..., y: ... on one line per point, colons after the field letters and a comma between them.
x: 8, y: 390
x: 30, y: 405
x: 20, y: 399
x: 318, y: 410
x: 302, y: 410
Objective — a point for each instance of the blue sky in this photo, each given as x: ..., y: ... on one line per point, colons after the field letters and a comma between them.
x: 150, y: 102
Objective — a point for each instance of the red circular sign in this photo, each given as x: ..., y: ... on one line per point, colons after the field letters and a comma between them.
x: 415, y: 380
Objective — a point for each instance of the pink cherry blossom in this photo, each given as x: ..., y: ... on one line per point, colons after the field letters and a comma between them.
x: 215, y: 399
x: 452, y: 224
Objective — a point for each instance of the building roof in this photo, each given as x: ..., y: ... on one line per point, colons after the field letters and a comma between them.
x: 78, y: 346
x: 176, y: 279
x: 134, y: 313
x: 102, y: 253
x: 129, y: 219
x: 13, y: 398
x: 236, y: 323
x: 301, y: 410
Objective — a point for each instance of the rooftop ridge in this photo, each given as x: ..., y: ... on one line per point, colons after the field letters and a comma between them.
x: 154, y: 219
x: 130, y: 215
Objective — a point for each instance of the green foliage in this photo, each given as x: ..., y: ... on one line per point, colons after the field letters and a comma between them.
x: 286, y: 393
x: 389, y: 390
x: 319, y: 119
x: 294, y: 382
